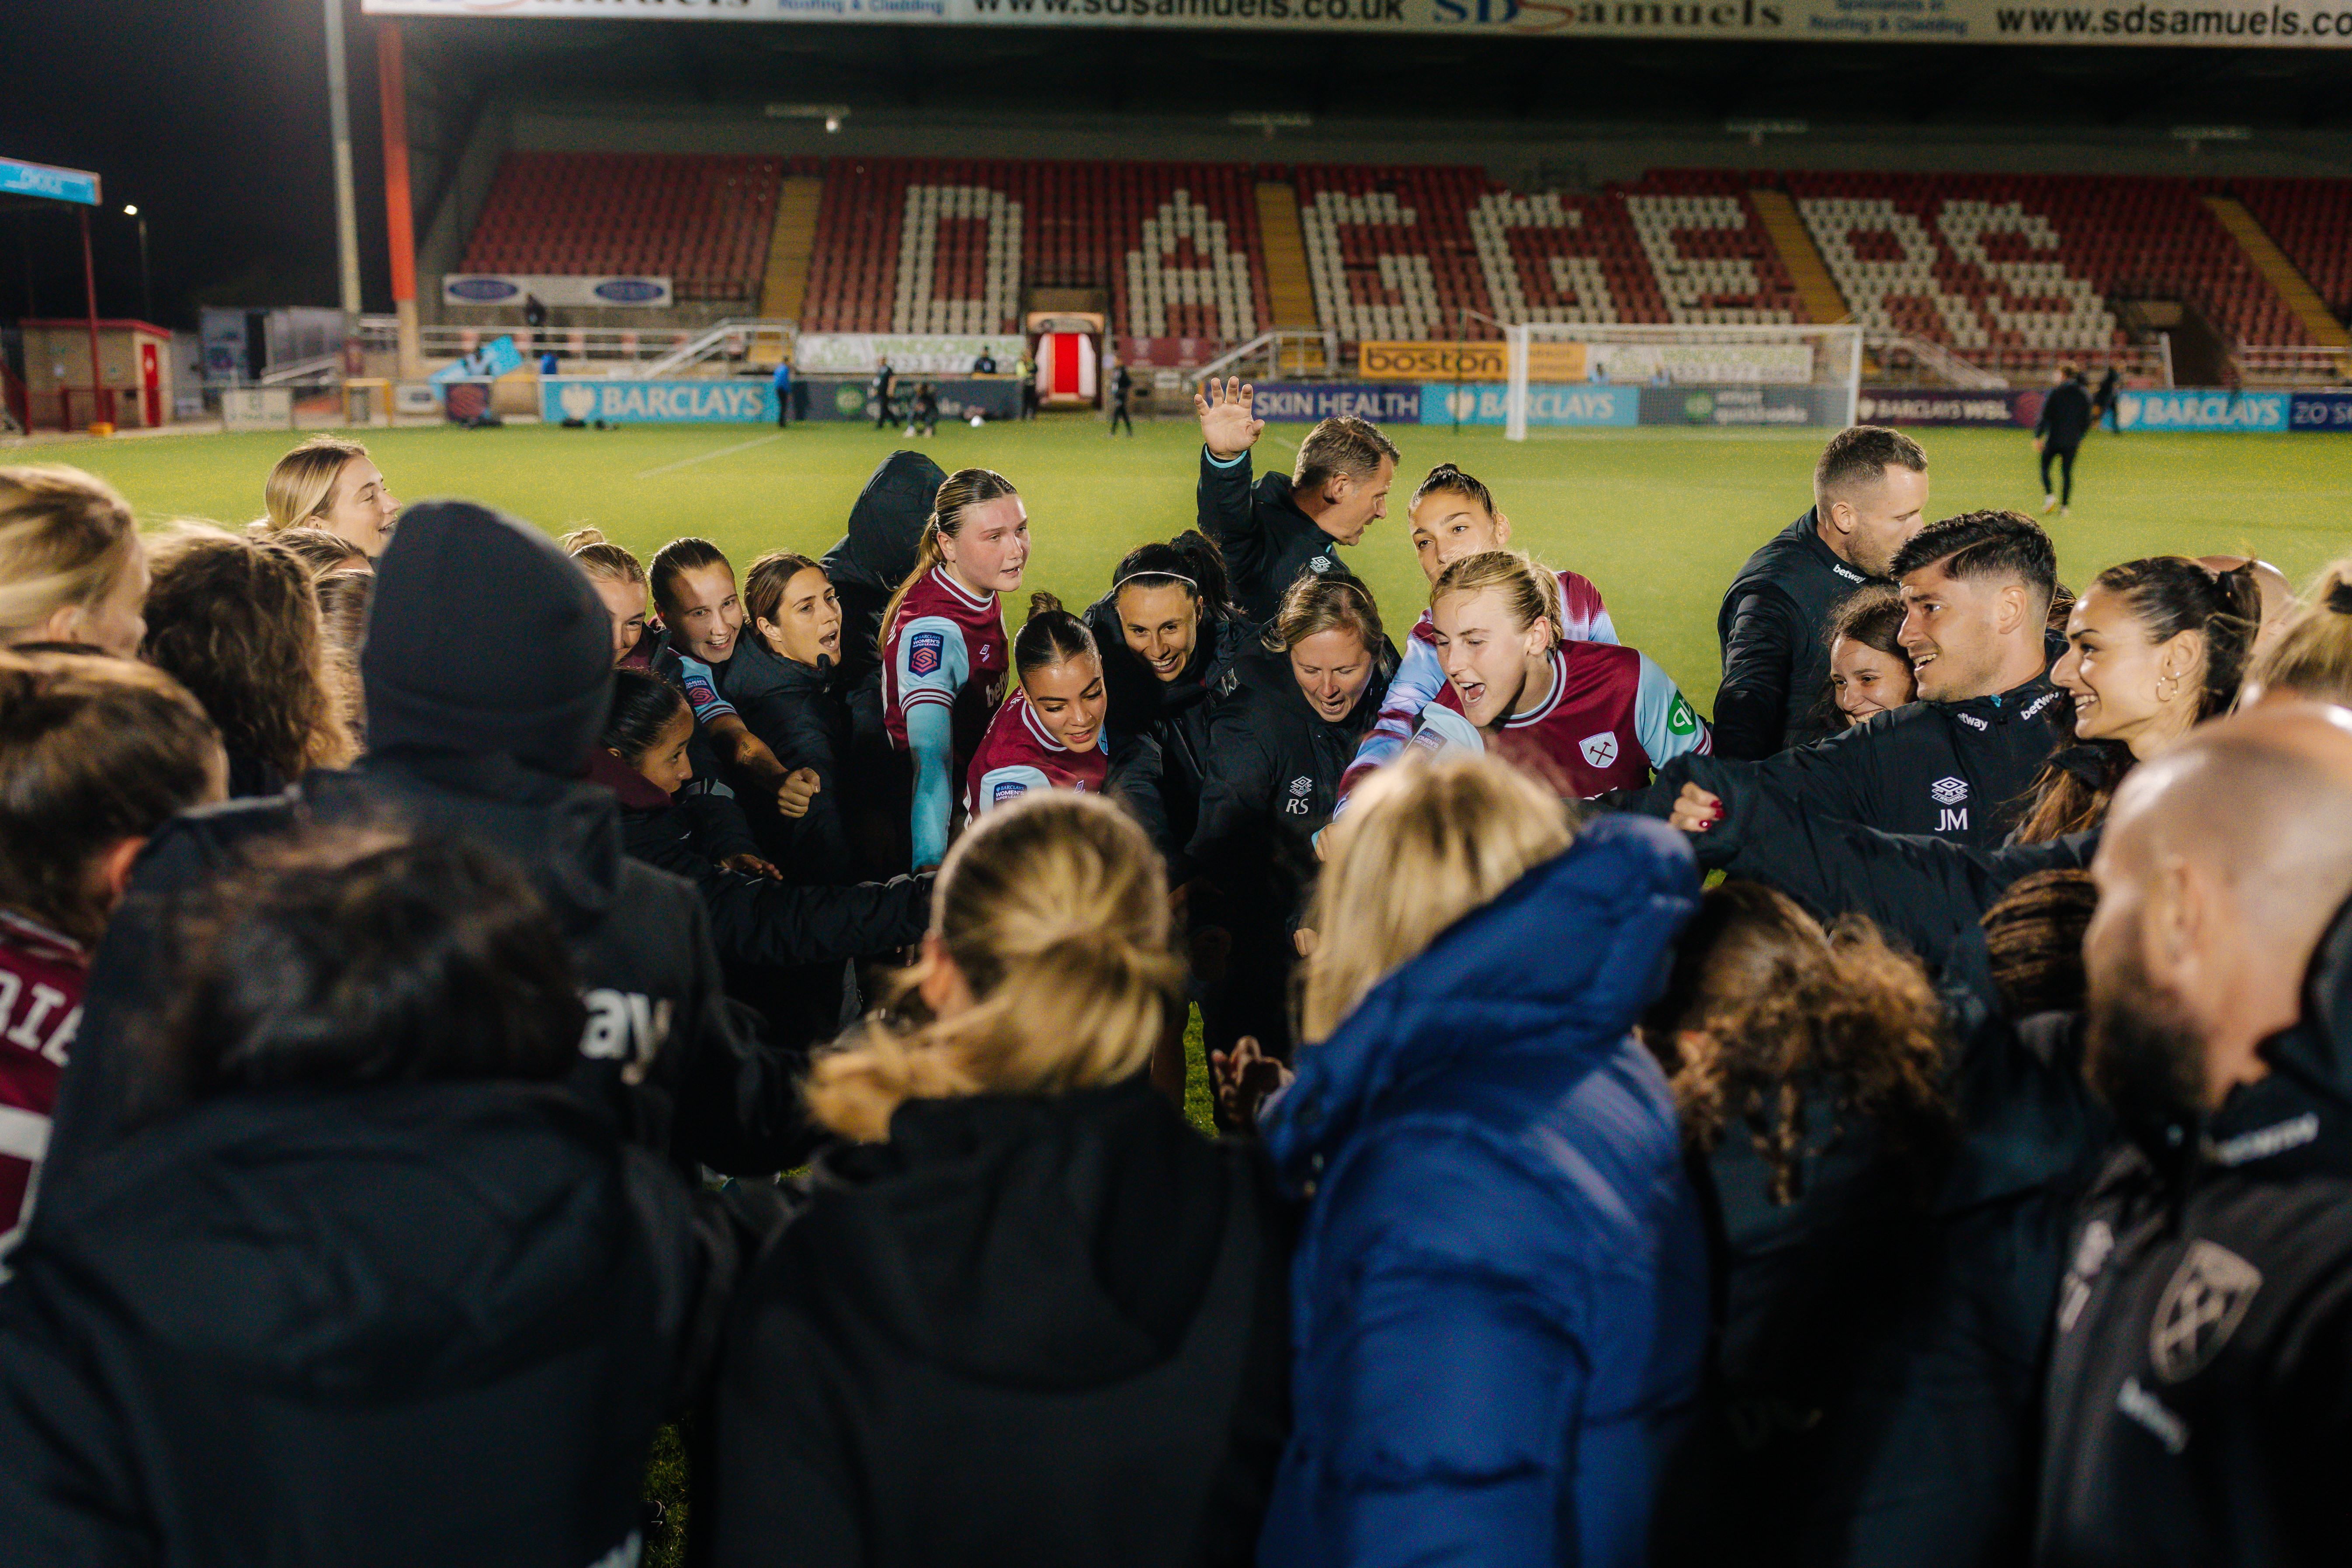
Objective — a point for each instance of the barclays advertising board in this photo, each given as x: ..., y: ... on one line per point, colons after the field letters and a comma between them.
x: 591, y: 398
x: 2202, y: 409
x: 1555, y: 407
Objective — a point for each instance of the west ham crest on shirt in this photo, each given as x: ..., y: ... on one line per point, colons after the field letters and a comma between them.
x: 2200, y: 1310
x: 1599, y: 749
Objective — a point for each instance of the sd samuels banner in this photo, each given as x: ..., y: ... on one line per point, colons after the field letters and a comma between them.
x: 2236, y: 23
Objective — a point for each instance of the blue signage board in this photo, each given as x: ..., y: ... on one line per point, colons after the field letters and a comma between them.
x: 2200, y: 409
x: 1547, y: 404
x: 2323, y: 411
x: 1310, y: 403
x: 591, y: 398
x: 494, y: 359
x: 18, y: 179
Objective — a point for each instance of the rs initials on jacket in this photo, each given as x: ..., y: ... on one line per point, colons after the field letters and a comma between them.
x: 625, y: 1027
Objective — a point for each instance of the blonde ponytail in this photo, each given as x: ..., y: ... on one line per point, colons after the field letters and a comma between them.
x: 963, y: 489
x: 1054, y: 909
x: 66, y: 538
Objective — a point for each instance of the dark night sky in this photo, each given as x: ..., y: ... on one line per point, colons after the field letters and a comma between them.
x: 210, y: 116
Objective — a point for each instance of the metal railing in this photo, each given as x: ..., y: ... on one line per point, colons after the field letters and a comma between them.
x: 737, y: 337
x: 1896, y: 353
x: 1270, y: 348
x: 321, y: 370
x: 2290, y: 366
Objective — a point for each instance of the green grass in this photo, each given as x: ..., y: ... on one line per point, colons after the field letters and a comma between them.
x: 1659, y: 518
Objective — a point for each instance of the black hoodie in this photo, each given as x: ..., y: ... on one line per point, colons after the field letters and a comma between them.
x: 683, y: 1066
x: 378, y: 1326
x: 1025, y: 1330
x: 2200, y: 1409
x: 1158, y: 730
x: 877, y: 553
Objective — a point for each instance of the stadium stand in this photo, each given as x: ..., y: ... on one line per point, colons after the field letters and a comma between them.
x: 936, y: 245
x: 703, y: 222
x: 2012, y: 270
x: 2027, y: 262
x: 2311, y: 221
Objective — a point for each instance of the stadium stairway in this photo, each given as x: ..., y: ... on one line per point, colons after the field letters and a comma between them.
x: 1817, y: 291
x: 2280, y: 273
x: 784, y: 288
x: 1290, y: 295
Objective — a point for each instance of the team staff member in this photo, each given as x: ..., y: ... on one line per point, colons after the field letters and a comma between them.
x: 1279, y: 529
x: 495, y: 750
x: 2196, y: 1409
x: 1284, y: 725
x: 944, y: 654
x: 1869, y: 495
x: 1957, y: 763
x: 2067, y: 418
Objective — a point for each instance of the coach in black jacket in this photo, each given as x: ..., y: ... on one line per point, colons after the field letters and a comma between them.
x: 1958, y: 762
x: 2199, y: 1408
x: 1273, y: 531
x: 1869, y: 495
x: 2067, y: 417
x: 1158, y: 730
x: 490, y: 745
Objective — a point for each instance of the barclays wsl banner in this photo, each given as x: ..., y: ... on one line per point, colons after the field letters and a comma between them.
x: 548, y: 289
x: 589, y: 399
x: 2234, y: 23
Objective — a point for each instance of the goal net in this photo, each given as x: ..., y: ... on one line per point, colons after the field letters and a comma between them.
x: 1567, y: 373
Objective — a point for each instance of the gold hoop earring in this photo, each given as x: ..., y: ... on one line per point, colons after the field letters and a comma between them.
x: 2164, y: 696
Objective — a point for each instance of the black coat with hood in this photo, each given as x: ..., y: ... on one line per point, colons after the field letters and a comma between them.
x: 2201, y: 1399
x: 493, y: 750
x: 1048, y: 1329
x: 371, y: 1326
x: 1774, y: 629
x: 877, y: 554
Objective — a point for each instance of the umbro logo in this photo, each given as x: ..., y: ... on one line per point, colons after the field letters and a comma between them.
x: 1948, y: 792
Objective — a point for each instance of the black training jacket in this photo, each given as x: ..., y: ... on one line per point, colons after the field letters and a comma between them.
x: 877, y: 553
x: 1774, y: 629
x: 1158, y: 730
x: 1048, y: 1329
x: 2201, y: 1397
x: 1268, y: 541
x: 803, y: 717
x: 685, y: 1068
x: 1954, y: 770
x: 1929, y: 893
x: 374, y: 1327
x: 1271, y: 780
x: 2065, y: 416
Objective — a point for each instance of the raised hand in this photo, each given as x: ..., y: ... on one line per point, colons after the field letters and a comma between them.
x: 1227, y: 427
x: 1245, y: 1078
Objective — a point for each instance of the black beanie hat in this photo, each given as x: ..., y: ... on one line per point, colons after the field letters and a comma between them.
x: 536, y: 688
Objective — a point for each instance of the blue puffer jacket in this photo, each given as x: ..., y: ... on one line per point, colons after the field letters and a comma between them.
x: 1499, y: 1297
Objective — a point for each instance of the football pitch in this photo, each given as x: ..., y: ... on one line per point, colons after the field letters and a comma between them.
x: 1660, y: 519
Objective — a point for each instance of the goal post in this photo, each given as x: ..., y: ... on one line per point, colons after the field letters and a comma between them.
x: 1714, y: 377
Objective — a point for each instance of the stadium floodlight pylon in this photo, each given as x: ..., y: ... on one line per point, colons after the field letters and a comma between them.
x: 1729, y: 377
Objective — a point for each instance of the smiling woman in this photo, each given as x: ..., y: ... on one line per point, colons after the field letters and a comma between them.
x: 330, y: 483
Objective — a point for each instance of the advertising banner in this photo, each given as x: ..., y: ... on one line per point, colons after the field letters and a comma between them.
x: 591, y: 398
x: 1932, y: 405
x: 1551, y: 406
x: 20, y: 179
x: 960, y: 399
x: 1307, y: 403
x: 2232, y: 23
x: 1723, y: 408
x: 628, y: 292
x: 2200, y: 409
x: 2322, y: 411
x: 909, y: 353
x: 1466, y: 361
x: 1701, y: 364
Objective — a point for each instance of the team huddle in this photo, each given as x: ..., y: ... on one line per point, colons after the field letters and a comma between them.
x: 399, y: 1047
